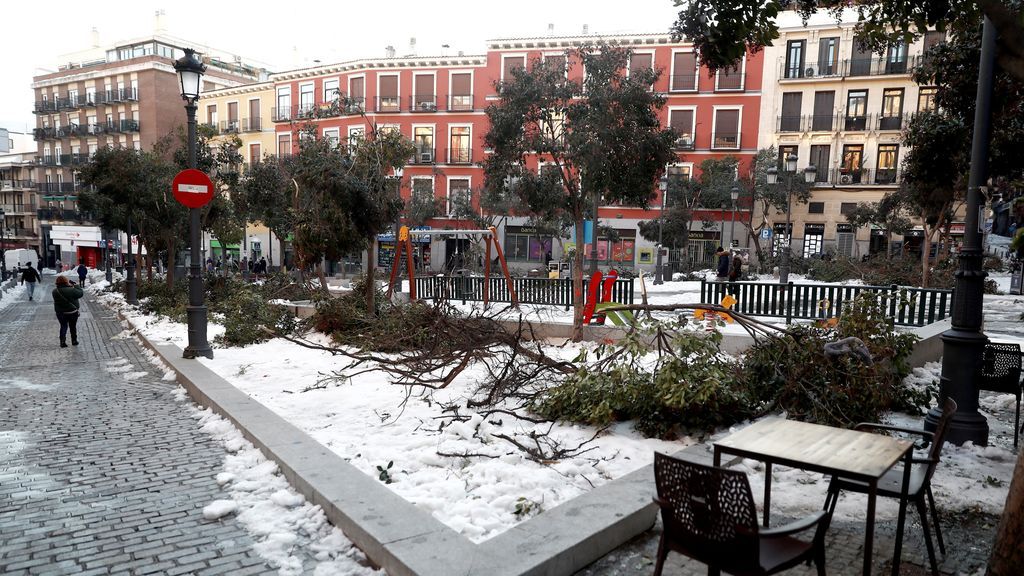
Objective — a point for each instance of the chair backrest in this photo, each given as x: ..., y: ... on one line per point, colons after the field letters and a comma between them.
x: 711, y: 512
x: 1000, y: 368
x: 939, y: 436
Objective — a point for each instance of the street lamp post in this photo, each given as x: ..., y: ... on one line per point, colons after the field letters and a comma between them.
x: 131, y: 294
x: 772, y: 177
x: 659, y: 271
x: 3, y: 249
x: 734, y: 194
x: 190, y: 72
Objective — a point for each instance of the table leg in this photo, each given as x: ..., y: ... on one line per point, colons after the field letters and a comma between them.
x: 907, y: 463
x: 767, y: 491
x: 718, y: 457
x: 869, y: 531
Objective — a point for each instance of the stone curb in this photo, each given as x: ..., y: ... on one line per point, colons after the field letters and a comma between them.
x: 398, y: 536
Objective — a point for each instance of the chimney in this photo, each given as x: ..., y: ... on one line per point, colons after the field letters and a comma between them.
x: 158, y: 22
x: 551, y: 29
x: 444, y: 49
x: 389, y: 52
x: 95, y: 37
x: 412, y: 46
x: 586, y: 29
x: 461, y: 53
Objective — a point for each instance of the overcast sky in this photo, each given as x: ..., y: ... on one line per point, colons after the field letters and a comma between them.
x: 290, y: 34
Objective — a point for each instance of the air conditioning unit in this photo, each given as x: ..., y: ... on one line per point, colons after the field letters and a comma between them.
x: 809, y: 73
x: 683, y: 143
x: 426, y: 157
x: 428, y: 106
x: 845, y: 179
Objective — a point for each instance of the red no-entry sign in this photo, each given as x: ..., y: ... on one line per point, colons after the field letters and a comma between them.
x: 192, y: 188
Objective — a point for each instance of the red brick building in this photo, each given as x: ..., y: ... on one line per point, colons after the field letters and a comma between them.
x: 438, y: 102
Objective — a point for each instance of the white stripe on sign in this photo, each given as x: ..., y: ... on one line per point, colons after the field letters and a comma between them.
x: 192, y: 188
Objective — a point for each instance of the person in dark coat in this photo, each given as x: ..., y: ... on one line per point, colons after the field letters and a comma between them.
x: 65, y: 303
x: 82, y: 271
x: 723, y: 264
x: 735, y: 273
x: 30, y: 275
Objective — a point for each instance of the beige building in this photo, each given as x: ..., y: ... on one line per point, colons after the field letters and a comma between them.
x: 18, y: 207
x: 244, y: 112
x: 841, y: 109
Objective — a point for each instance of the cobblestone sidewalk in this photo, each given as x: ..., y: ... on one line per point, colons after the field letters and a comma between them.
x: 101, y: 471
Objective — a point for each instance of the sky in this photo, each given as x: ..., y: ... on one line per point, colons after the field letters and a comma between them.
x: 286, y: 35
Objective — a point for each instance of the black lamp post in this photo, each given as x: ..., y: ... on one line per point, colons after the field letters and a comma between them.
x: 772, y: 177
x: 963, y: 345
x: 190, y: 72
x: 131, y: 294
x: 3, y: 248
x: 734, y: 195
x: 659, y: 271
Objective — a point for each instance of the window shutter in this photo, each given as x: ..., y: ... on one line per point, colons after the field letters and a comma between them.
x: 461, y: 85
x: 682, y: 122
x: 356, y: 89
x: 389, y: 86
x: 510, y: 64
x: 684, y: 74
x: 639, y: 62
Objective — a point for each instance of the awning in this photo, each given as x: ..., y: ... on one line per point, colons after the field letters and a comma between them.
x: 214, y: 243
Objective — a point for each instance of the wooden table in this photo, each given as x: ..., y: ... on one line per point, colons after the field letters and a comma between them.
x: 835, y: 451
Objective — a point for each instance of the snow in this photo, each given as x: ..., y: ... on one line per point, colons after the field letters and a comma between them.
x: 219, y: 508
x: 370, y: 423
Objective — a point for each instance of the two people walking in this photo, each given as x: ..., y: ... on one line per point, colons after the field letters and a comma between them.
x: 729, y: 267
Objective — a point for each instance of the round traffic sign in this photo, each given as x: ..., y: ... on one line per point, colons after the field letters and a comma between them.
x: 192, y: 188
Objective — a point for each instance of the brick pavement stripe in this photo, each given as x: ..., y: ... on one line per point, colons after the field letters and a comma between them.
x: 114, y: 473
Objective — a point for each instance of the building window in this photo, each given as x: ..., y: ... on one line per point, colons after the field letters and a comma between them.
x: 726, y: 130
x: 853, y: 163
x: 887, y: 157
x: 526, y: 244
x: 684, y: 71
x: 459, y: 195
x: 795, y: 50
x: 896, y: 59
x: 780, y: 239
x: 789, y: 120
x: 356, y: 94
x: 306, y: 100
x: 892, y: 109
x: 926, y: 100
x: 332, y: 137
x: 814, y: 234
x: 681, y: 121
x: 856, y: 110
x: 785, y: 150
x: 828, y: 56
x: 423, y: 96
x: 388, y: 89
x: 284, y: 104
x: 461, y: 98
x: 730, y: 78
x: 845, y: 239
x: 355, y: 134
x: 459, y: 149
x: 510, y: 63
x: 423, y: 186
x: 820, y: 158
x: 254, y: 153
x: 423, y: 141
x: 211, y: 115
x: 284, y: 145
x: 846, y: 208
x: 815, y: 207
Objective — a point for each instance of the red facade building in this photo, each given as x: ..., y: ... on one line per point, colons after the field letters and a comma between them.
x: 438, y: 103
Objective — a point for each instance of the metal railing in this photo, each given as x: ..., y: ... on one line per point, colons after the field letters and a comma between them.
x: 230, y: 126
x: 58, y: 214
x: 809, y: 70
x: 731, y: 83
x: 355, y: 105
x: 45, y: 133
x: 905, y: 306
x: 549, y: 291
x: 252, y: 124
x: 459, y: 155
x: 388, y: 104
x: 57, y: 187
x: 789, y: 123
x: 23, y: 208
x: 885, y: 176
x: 16, y: 184
x: 423, y: 103
x: 44, y: 107
x: 73, y: 159
x: 856, y: 123
x: 846, y: 68
x: 848, y: 176
x: 725, y: 140
x: 423, y: 155
x: 682, y: 83
x: 460, y: 103
x: 129, y: 125
x: 896, y: 122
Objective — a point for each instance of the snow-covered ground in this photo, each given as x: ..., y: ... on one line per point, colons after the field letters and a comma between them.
x: 371, y: 423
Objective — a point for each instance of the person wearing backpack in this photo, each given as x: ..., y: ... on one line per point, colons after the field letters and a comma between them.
x: 65, y: 303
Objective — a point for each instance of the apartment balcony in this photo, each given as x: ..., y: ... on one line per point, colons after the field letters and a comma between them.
x: 44, y: 107
x: 885, y: 176
x: 128, y: 94
x: 76, y: 131
x: 725, y: 140
x: 95, y: 129
x: 282, y: 114
x: 789, y: 123
x: 57, y: 188
x: 423, y: 155
x: 45, y: 133
x: 74, y: 159
x: 114, y: 96
x: 423, y: 103
x: 252, y: 124
x: 460, y: 103
x: 87, y: 101
x: 22, y: 233
x: 211, y: 127
x: 822, y: 122
x: 305, y: 111
x: 65, y: 103
x: 9, y: 185
x: 730, y: 83
x: 387, y: 104
x: 893, y: 122
x: 855, y: 67
x: 682, y: 83
x: 850, y: 176
x: 354, y: 105
x: 18, y: 209
x: 230, y: 127
x: 460, y: 156
x: 330, y: 109
x: 858, y: 123
x: 112, y: 127
x: 683, y: 143
x: 129, y: 125
x: 48, y: 160
x: 60, y: 215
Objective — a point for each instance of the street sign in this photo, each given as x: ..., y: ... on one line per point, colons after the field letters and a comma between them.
x: 192, y: 188
x: 766, y: 233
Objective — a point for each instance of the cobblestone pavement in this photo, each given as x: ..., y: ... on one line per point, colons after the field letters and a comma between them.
x: 101, y: 472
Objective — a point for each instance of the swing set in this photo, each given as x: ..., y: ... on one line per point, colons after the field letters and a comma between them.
x: 403, y: 247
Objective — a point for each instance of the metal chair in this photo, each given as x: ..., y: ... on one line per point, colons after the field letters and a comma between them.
x: 1000, y: 372
x: 891, y: 484
x: 709, y: 515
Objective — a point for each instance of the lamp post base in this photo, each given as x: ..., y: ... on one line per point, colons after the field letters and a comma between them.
x: 197, y: 343
x: 962, y: 356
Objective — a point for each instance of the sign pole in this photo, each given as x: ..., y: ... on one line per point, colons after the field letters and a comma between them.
x: 196, y: 309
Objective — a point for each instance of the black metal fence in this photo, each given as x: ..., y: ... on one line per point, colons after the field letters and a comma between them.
x: 906, y: 306
x: 551, y: 291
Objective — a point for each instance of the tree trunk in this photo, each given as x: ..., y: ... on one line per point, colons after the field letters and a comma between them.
x: 577, y: 282
x: 170, y: 263
x: 926, y: 248
x: 149, y: 264
x: 282, y: 242
x: 323, y: 279
x: 371, y: 282
x: 1007, y: 552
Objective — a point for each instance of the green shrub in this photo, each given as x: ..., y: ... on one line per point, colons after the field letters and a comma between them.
x: 246, y: 313
x: 836, y: 270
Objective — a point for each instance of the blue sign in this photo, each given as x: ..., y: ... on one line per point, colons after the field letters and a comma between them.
x: 766, y: 233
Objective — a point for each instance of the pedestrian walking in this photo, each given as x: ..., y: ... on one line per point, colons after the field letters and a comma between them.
x: 723, y: 264
x: 263, y: 266
x: 82, y: 272
x: 735, y: 273
x: 58, y: 266
x: 30, y: 275
x: 65, y: 304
